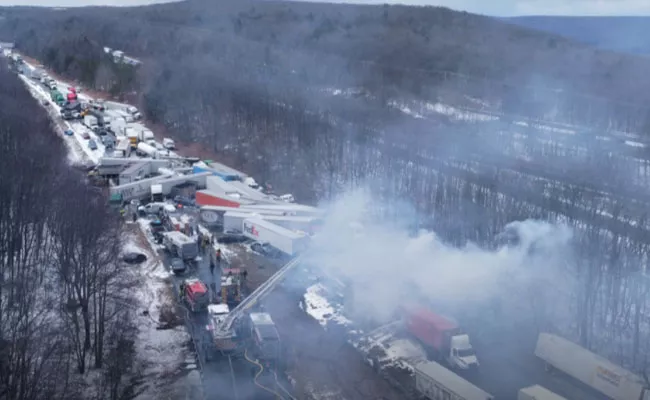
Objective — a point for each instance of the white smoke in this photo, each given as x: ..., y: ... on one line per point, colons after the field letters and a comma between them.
x: 388, y: 266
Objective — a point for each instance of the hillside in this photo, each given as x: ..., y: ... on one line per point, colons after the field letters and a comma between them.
x: 625, y: 34
x: 252, y: 82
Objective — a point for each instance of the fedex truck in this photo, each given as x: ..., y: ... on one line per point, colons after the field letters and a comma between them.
x: 285, y: 240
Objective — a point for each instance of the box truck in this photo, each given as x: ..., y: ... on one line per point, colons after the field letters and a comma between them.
x: 589, y: 368
x: 435, y: 382
x: 441, y: 337
x: 180, y: 245
x: 537, y: 392
x: 90, y: 121
x: 288, y: 242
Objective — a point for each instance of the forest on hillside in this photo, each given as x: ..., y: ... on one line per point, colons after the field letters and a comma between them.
x: 62, y: 286
x: 623, y: 34
x: 320, y: 98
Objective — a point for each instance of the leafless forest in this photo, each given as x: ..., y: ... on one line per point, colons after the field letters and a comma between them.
x: 270, y: 88
x: 64, y: 299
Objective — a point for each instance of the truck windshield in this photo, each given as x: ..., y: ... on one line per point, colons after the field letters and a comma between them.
x: 465, y: 353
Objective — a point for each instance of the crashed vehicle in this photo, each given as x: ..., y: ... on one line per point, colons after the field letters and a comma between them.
x: 195, y: 294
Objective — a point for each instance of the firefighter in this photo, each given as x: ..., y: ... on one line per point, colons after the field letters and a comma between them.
x: 219, y: 256
x: 135, y: 217
x: 122, y: 212
x: 181, y: 290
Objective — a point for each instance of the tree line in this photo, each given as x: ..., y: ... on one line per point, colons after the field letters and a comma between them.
x: 66, y: 327
x: 263, y: 98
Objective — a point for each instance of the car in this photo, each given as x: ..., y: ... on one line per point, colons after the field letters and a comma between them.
x: 185, y: 201
x: 92, y: 144
x: 86, y: 135
x: 68, y: 132
x: 266, y: 250
x: 134, y: 258
x: 178, y: 266
x: 231, y: 238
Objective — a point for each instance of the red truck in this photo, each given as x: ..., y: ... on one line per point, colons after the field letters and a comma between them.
x: 441, y: 337
x: 72, y: 96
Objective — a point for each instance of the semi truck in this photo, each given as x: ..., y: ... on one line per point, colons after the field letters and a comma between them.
x: 537, y: 392
x: 145, y: 135
x: 441, y: 337
x: 284, y: 240
x: 435, y: 382
x: 132, y: 135
x: 589, y: 368
x: 57, y: 97
x: 180, y: 245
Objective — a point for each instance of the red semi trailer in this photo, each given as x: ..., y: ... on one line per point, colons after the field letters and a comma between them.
x: 442, y: 337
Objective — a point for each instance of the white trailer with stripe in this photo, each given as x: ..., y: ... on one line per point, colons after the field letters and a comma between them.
x: 591, y: 369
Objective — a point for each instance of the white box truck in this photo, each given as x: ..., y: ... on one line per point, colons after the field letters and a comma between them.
x: 180, y: 245
x: 90, y: 122
x: 169, y: 144
x: 288, y: 242
x: 537, y: 392
x: 589, y: 368
x: 435, y: 382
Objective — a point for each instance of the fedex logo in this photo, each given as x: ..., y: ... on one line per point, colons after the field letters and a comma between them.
x: 251, y: 230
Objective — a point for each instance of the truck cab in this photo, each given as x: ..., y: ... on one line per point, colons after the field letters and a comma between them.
x: 462, y: 355
x: 195, y: 294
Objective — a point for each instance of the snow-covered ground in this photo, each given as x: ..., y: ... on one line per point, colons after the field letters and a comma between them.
x: 170, y: 367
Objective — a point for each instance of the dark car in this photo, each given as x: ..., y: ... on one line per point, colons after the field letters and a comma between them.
x: 230, y: 238
x: 92, y: 144
x: 266, y: 250
x: 86, y: 135
x: 185, y: 201
x: 68, y: 132
x: 134, y: 258
x: 178, y: 266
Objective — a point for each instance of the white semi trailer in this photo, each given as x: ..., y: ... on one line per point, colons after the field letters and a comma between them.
x: 435, y: 382
x: 589, y: 368
x: 537, y: 392
x: 285, y: 240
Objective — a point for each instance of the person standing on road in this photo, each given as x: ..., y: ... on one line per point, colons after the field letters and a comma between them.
x: 219, y: 256
x: 211, y: 268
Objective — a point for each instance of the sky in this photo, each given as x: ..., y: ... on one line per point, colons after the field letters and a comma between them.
x: 488, y: 7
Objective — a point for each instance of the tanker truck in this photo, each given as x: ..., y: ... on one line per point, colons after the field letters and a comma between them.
x: 144, y: 149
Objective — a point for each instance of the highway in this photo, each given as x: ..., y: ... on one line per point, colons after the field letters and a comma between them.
x: 224, y: 377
